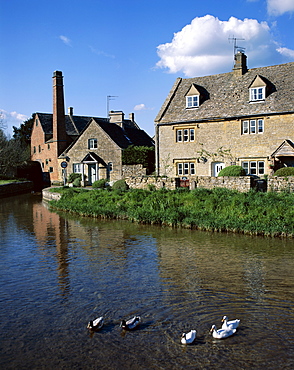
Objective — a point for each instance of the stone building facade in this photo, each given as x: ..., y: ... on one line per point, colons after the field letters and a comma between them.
x: 91, y: 146
x: 244, y: 117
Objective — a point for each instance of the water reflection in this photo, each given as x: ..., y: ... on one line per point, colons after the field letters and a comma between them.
x: 65, y: 270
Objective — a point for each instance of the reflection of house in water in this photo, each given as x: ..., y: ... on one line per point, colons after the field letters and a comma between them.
x: 52, y: 231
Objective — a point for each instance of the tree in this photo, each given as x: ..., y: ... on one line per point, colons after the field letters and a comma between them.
x: 23, y: 133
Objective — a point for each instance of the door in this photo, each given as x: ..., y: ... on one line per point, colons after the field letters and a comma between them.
x: 216, y: 168
x: 92, y: 173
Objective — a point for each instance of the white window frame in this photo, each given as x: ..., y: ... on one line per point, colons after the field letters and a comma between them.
x: 253, y: 127
x: 77, y: 167
x: 192, y: 101
x: 192, y: 134
x: 185, y: 168
x: 257, y: 93
x: 254, y: 167
x: 92, y: 143
x: 186, y: 135
x: 179, y: 134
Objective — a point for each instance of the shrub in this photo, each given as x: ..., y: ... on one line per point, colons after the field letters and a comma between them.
x: 73, y: 176
x: 232, y: 171
x: 285, y: 171
x: 100, y: 184
x: 77, y: 182
x: 120, y: 185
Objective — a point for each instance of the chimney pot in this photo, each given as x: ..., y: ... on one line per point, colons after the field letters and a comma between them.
x: 70, y: 111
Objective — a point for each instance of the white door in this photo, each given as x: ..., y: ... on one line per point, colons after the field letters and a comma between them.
x: 92, y: 173
x: 216, y: 168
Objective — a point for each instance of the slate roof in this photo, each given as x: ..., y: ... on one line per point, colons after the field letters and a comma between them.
x: 227, y: 95
x: 75, y: 125
x: 127, y: 136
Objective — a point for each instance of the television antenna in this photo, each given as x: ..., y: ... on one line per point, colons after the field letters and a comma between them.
x: 110, y: 97
x: 236, y: 48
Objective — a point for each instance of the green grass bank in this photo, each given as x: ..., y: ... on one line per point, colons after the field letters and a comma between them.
x: 223, y: 210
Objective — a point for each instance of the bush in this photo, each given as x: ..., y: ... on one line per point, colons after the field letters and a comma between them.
x: 120, y: 185
x: 100, y: 184
x: 77, y: 182
x: 232, y: 171
x: 73, y: 176
x: 285, y: 171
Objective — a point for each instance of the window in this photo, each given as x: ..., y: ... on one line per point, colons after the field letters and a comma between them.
x: 37, y: 122
x: 192, y: 134
x: 77, y: 167
x: 253, y: 127
x: 192, y: 101
x: 34, y: 149
x: 110, y: 166
x: 185, y: 135
x: 257, y: 93
x: 186, y: 168
x: 47, y: 161
x: 39, y: 148
x: 48, y: 146
x: 92, y: 143
x: 50, y: 169
x: 253, y: 167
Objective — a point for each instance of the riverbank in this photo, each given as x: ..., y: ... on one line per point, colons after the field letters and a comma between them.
x: 222, y: 210
x: 16, y: 187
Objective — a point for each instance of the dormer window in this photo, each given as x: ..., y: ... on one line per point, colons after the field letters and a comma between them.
x: 192, y: 101
x: 257, y: 93
x: 193, y: 97
x: 257, y: 89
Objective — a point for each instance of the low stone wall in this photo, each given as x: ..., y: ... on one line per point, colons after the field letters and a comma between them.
x: 242, y: 183
x: 14, y: 188
x: 133, y: 170
x: 48, y: 195
x: 280, y: 184
x: 145, y: 182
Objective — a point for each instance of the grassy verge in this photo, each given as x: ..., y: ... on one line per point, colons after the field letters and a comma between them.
x: 254, y: 213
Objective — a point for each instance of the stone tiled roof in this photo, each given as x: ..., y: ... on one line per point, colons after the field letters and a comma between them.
x: 227, y: 95
x: 125, y: 137
x: 72, y: 128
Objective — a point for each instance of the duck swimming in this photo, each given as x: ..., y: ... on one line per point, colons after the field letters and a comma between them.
x: 95, y: 324
x: 131, y: 323
x: 188, y: 338
x: 232, y: 324
x: 221, y: 333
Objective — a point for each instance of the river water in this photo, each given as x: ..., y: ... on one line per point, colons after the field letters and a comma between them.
x: 57, y: 272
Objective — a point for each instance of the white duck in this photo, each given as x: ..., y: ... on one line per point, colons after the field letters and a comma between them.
x: 221, y: 333
x: 131, y: 323
x: 188, y: 338
x: 232, y: 324
x: 95, y: 324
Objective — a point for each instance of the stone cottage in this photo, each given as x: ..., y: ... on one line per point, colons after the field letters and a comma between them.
x: 92, y: 146
x: 244, y: 117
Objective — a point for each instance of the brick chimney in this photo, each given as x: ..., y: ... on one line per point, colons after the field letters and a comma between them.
x: 240, y: 67
x: 59, y: 130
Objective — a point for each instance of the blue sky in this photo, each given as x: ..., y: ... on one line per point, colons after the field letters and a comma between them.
x: 131, y: 49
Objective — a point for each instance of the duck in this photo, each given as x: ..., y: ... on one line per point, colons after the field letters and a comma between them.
x: 232, y: 324
x: 221, y: 333
x: 95, y: 324
x: 188, y: 338
x: 131, y: 323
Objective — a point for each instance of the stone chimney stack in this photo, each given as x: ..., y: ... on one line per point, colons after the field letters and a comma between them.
x: 59, y: 129
x: 70, y: 111
x: 240, y: 67
x: 132, y: 117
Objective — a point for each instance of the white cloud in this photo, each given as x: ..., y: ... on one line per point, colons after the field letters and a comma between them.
x: 286, y: 52
x: 140, y: 107
x: 10, y: 119
x: 203, y: 46
x: 65, y: 39
x: 100, y: 52
x: 279, y: 7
